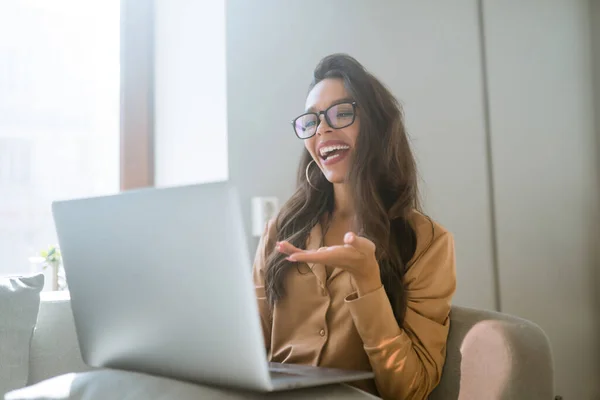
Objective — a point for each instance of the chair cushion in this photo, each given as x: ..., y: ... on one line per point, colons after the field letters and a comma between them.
x: 492, y: 356
x: 19, y: 306
x: 114, y: 384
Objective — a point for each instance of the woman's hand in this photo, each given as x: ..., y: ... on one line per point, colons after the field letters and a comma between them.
x: 357, y: 256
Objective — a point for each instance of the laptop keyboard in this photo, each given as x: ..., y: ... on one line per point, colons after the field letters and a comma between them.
x: 279, y: 374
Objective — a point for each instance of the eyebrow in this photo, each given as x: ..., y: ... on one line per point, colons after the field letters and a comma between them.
x: 333, y: 103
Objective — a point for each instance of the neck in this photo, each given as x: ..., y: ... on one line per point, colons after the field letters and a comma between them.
x: 343, y: 206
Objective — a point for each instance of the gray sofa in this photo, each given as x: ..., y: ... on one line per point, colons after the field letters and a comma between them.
x: 490, y: 356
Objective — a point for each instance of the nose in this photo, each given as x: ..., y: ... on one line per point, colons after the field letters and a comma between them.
x: 323, y: 126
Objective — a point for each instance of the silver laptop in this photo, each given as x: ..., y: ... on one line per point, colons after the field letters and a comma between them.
x: 160, y: 282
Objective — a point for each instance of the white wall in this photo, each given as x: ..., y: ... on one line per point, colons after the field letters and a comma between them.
x: 545, y: 176
x: 190, y: 89
x: 427, y: 53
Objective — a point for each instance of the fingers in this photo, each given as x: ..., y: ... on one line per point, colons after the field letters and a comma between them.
x: 363, y: 245
x: 355, y: 248
x: 334, y: 255
x: 287, y: 248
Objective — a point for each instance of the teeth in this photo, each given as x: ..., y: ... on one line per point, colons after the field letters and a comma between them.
x: 328, y: 149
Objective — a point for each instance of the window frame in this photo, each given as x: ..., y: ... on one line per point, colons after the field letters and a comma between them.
x: 137, y: 95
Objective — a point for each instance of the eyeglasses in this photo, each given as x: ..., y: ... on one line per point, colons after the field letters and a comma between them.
x: 338, y: 116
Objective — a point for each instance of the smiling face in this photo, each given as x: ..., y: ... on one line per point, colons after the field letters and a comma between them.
x: 331, y: 147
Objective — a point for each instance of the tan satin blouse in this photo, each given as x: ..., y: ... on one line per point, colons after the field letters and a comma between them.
x: 323, y: 322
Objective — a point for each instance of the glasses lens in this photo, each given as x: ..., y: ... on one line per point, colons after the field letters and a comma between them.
x: 305, y: 125
x: 341, y: 115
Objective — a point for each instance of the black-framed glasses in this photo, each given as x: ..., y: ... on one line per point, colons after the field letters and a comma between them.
x: 338, y: 116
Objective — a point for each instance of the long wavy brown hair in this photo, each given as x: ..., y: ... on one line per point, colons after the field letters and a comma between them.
x: 382, y: 177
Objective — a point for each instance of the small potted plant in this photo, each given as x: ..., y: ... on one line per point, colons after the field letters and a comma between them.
x: 50, y: 260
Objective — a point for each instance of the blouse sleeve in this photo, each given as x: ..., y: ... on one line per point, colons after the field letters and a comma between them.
x: 408, y: 360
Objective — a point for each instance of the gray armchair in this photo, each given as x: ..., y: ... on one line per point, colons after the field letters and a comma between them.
x: 495, y: 356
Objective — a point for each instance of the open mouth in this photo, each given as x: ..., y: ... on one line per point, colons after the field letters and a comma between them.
x: 333, y: 153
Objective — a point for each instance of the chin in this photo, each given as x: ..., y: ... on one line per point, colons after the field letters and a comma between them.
x: 335, y: 172
x: 335, y: 178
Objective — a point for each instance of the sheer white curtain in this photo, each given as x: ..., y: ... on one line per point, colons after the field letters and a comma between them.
x: 59, y: 115
x: 190, y: 92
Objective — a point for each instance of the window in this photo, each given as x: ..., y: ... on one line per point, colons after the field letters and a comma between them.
x: 190, y: 92
x: 59, y: 115
x: 97, y: 97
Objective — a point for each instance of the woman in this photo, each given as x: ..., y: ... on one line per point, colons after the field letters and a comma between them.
x: 350, y: 275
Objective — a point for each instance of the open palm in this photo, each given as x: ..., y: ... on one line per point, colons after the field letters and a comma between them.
x: 356, y: 255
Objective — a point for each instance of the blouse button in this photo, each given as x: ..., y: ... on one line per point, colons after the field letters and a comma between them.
x: 322, y: 332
